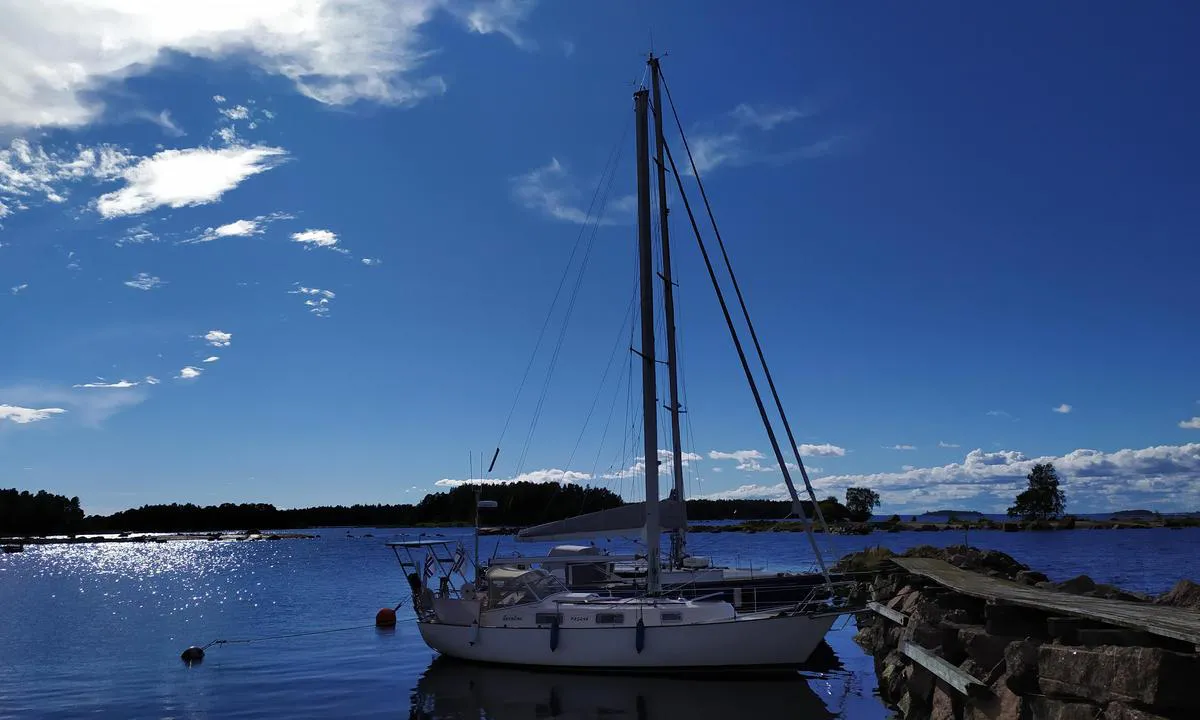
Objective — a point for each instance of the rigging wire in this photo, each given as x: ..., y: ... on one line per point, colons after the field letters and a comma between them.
x: 610, y: 169
x: 614, y: 153
x: 712, y: 273
x: 746, y: 315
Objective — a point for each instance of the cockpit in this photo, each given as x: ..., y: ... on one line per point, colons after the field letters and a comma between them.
x: 508, y: 586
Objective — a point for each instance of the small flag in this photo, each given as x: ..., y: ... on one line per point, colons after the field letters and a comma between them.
x: 429, y: 563
x: 460, y: 557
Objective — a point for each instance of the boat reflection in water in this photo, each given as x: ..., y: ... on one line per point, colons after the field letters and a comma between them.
x: 459, y: 690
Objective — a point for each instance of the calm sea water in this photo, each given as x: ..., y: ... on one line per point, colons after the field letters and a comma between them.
x: 96, y: 631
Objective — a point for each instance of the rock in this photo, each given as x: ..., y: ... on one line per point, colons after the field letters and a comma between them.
x: 1148, y: 677
x: 1021, y: 666
x: 1185, y: 594
x: 984, y: 648
x: 1031, y: 577
x: 920, y: 686
x: 1121, y: 711
x: 1016, y: 621
x: 1110, y: 592
x: 1003, y: 705
x: 1041, y: 708
x: 905, y: 705
x: 942, y: 707
x: 1076, y: 586
x: 893, y: 679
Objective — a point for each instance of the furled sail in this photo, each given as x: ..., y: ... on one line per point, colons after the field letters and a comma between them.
x: 624, y: 520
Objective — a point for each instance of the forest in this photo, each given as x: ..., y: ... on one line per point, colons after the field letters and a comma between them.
x: 25, y: 514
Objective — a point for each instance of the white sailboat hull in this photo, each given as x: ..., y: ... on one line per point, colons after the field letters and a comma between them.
x: 743, y: 642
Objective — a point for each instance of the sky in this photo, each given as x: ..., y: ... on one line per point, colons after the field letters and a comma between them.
x: 302, y: 251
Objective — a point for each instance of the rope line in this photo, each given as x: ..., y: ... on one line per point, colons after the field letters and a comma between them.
x: 244, y: 641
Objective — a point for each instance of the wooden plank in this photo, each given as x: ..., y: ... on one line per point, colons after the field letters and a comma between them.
x: 944, y: 671
x: 1172, y: 622
x: 894, y: 615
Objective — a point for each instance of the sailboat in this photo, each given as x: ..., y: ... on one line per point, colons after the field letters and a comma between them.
x: 528, y: 616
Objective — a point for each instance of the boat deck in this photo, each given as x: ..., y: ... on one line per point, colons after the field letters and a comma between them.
x: 1171, y: 622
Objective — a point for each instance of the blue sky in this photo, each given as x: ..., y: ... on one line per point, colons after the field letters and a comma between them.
x: 307, y: 247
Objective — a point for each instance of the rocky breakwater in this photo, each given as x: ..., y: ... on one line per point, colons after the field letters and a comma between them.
x: 1032, y: 664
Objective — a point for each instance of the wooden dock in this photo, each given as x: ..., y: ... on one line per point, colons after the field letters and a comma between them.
x: 1171, y: 622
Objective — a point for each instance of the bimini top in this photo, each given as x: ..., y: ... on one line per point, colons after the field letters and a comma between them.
x: 419, y: 543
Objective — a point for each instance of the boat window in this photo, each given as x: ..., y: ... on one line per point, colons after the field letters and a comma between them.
x: 610, y: 618
x: 672, y: 617
x: 547, y: 618
x: 546, y: 585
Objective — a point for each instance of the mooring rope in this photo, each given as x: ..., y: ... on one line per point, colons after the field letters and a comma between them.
x: 284, y: 636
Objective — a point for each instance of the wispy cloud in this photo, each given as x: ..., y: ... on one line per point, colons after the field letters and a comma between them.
x: 551, y: 475
x: 746, y: 136
x: 145, y: 281
x: 1001, y: 414
x: 189, y: 373
x: 15, y: 289
x: 218, y: 338
x: 1063, y: 409
x: 179, y: 178
x: 24, y: 415
x: 1193, y: 424
x: 136, y: 235
x: 747, y: 460
x: 551, y: 190
x: 211, y: 359
x: 899, y: 447
x: 371, y: 262
x: 31, y: 173
x: 499, y: 16
x: 318, y: 300
x: 118, y: 385
x: 944, y: 444
x: 88, y: 406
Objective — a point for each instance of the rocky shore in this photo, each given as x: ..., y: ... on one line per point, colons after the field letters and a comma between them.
x: 1034, y: 665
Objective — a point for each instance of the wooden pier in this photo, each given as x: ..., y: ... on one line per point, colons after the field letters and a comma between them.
x: 1165, y: 621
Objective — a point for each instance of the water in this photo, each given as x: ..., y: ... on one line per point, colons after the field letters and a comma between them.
x: 96, y: 630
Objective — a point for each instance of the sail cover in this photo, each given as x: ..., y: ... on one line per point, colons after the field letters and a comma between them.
x: 624, y: 520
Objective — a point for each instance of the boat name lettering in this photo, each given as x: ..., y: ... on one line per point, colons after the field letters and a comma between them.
x: 513, y: 618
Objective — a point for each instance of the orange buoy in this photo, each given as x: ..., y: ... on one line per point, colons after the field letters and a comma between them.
x: 385, y: 618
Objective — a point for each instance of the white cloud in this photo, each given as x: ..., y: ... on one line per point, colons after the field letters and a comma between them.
x: 218, y: 99
x: 218, y: 338
x: 551, y: 190
x: 180, y: 178
x: 164, y: 121
x: 748, y: 460
x: 335, y: 51
x: 318, y: 300
x: 188, y: 373
x: 151, y: 380
x: 120, y: 385
x: 823, y: 450
x: 1064, y: 409
x: 18, y: 288
x: 552, y: 475
x: 316, y: 238
x: 237, y: 112
x: 145, y: 281
x: 238, y: 228
x: 86, y: 406
x: 568, y: 48
x: 24, y: 415
x: 31, y: 173
x: 211, y: 359
x: 944, y: 444
x: 136, y: 235
x: 899, y: 447
x: 712, y: 151
x: 371, y: 262
x: 999, y: 413
x: 1193, y: 424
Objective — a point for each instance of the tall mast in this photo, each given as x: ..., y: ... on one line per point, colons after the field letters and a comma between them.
x: 679, y: 537
x: 649, y: 394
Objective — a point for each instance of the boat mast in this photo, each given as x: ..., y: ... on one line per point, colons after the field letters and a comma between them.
x: 649, y: 394
x: 678, y: 537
